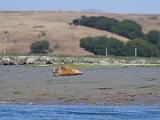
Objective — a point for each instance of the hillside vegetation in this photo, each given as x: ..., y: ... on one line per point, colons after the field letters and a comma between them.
x: 98, y: 45
x: 126, y: 28
x: 147, y: 44
x: 20, y: 29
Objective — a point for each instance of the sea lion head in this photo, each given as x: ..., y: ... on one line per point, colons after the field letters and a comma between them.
x: 55, y: 72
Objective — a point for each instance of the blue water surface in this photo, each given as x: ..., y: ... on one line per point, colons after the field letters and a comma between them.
x: 78, y: 112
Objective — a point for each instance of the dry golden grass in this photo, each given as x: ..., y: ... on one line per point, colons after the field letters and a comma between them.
x: 20, y: 29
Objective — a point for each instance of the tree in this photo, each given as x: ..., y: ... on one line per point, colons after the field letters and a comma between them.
x: 99, y: 22
x: 158, y: 45
x: 153, y: 36
x: 108, y: 24
x: 97, y: 45
x: 130, y: 29
x: 40, y: 47
x: 157, y: 49
x: 144, y: 49
x: 127, y: 28
x: 88, y: 43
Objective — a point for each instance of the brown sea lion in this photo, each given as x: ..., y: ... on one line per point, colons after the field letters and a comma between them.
x: 66, y: 71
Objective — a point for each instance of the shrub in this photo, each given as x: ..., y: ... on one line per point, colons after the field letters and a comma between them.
x: 108, y: 24
x: 144, y: 49
x: 153, y: 18
x: 100, y: 22
x: 87, y: 43
x: 130, y: 29
x: 40, y: 47
x: 127, y: 28
x: 158, y: 45
x: 153, y: 36
x: 98, y: 45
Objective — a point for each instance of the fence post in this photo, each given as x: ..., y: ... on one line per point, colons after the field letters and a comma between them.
x: 135, y: 52
x: 106, y: 52
x: 4, y: 52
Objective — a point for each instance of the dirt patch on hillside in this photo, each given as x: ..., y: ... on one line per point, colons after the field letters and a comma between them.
x: 20, y: 29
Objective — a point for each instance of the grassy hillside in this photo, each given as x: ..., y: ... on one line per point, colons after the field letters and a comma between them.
x: 20, y: 29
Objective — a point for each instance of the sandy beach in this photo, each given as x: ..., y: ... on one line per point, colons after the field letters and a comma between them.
x: 109, y: 85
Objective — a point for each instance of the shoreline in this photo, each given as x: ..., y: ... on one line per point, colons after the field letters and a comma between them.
x: 78, y: 60
x: 43, y: 102
x: 77, y: 104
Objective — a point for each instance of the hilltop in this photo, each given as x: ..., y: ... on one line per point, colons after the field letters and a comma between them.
x: 20, y: 29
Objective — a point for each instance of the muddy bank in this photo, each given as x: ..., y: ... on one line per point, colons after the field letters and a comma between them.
x: 129, y: 85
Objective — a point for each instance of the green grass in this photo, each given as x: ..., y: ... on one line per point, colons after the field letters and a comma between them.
x: 96, y: 65
x: 17, y: 92
x: 149, y: 65
x: 50, y: 82
x: 78, y: 65
x: 148, y: 86
x: 104, y: 88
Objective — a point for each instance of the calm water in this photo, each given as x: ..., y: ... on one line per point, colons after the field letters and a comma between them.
x: 78, y: 112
